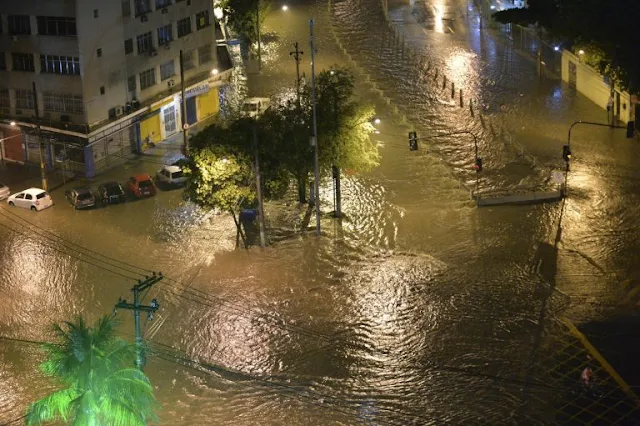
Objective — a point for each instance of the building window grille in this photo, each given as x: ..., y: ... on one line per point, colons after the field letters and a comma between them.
x: 62, y: 102
x: 204, y: 54
x: 165, y: 34
x: 142, y: 7
x: 187, y: 60
x: 4, y: 99
x: 57, y: 26
x: 23, y: 62
x: 184, y: 26
x: 19, y: 24
x: 147, y: 78
x: 54, y: 64
x: 167, y: 70
x: 202, y: 19
x: 145, y: 42
x: 24, y: 99
x: 161, y: 4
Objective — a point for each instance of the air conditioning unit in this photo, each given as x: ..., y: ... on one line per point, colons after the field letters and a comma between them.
x: 171, y: 83
x: 165, y: 10
x: 135, y: 104
x: 153, y: 52
x: 144, y: 18
x: 127, y: 108
x: 119, y: 111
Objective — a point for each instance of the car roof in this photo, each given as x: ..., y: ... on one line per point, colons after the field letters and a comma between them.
x: 172, y: 169
x: 33, y: 190
x: 82, y: 189
x: 142, y: 176
x: 110, y: 183
x: 256, y: 100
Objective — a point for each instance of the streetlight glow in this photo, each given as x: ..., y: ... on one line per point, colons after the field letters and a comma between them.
x: 214, y: 71
x: 581, y: 52
x: 376, y: 121
x: 285, y: 7
x: 556, y: 48
x: 13, y: 123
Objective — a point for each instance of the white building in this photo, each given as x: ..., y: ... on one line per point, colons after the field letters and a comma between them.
x: 107, y: 75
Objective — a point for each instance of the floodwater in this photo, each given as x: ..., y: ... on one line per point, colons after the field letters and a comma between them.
x: 418, y: 309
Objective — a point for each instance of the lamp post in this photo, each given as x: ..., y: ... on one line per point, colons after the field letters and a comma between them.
x: 314, y: 137
x: 258, y: 31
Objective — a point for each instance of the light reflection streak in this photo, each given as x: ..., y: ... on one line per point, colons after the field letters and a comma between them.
x: 438, y: 15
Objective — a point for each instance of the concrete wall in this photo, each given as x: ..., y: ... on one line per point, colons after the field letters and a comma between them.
x: 593, y: 85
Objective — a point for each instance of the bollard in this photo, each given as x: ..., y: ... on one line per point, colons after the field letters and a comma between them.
x: 461, y: 102
x: 453, y: 90
x: 444, y: 82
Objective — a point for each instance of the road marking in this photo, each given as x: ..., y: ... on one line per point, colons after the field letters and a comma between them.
x: 603, y: 362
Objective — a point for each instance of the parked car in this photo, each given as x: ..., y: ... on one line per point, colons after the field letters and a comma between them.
x: 171, y: 175
x: 4, y: 191
x: 253, y: 107
x: 142, y: 186
x: 111, y: 193
x: 32, y: 198
x: 80, y: 197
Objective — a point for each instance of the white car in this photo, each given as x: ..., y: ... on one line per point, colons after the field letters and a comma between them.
x: 32, y: 198
x: 172, y: 175
x: 4, y: 191
x: 253, y: 107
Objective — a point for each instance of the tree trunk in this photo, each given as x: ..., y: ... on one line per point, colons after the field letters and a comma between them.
x: 302, y: 195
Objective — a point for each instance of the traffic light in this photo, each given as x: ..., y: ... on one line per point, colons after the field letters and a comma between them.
x: 566, y: 153
x: 478, y: 165
x: 630, y: 126
x: 413, y: 141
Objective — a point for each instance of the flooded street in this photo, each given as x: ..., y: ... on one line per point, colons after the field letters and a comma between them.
x: 419, y: 308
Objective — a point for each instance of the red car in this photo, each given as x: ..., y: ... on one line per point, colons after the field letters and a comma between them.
x: 142, y: 186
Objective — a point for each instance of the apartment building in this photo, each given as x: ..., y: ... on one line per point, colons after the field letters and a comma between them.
x: 106, y: 76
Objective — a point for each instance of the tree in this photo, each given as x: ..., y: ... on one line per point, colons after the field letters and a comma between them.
x: 589, y: 23
x: 244, y: 15
x: 100, y: 384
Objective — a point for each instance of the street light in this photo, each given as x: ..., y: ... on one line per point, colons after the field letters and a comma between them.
x: 214, y: 71
x: 285, y: 7
x: 581, y: 52
x: 12, y: 124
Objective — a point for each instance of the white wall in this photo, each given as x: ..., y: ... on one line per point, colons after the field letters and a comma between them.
x: 591, y: 84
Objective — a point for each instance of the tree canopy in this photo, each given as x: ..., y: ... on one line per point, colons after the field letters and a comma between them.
x: 244, y: 14
x: 607, y: 28
x: 100, y: 386
x: 222, y: 166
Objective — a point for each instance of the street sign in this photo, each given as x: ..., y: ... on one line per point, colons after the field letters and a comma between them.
x: 233, y: 42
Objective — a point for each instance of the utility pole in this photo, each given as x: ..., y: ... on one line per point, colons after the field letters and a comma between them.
x: 258, y: 31
x: 183, y: 109
x: 43, y: 171
x: 258, y: 183
x: 314, y: 137
x: 296, y: 55
x: 136, y: 307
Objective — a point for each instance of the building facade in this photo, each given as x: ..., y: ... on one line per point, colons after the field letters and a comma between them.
x: 106, y: 76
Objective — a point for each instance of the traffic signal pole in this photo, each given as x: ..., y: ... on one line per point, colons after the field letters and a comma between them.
x: 136, y: 307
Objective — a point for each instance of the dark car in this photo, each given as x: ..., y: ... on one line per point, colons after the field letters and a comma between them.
x: 80, y: 197
x: 142, y: 186
x: 111, y: 193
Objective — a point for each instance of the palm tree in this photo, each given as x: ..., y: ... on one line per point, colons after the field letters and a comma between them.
x: 101, y: 387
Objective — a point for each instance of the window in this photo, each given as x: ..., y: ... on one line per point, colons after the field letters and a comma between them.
x: 102, y: 90
x: 55, y: 26
x: 128, y: 46
x: 62, y: 102
x: 126, y: 8
x: 165, y: 35
x: 99, y: 52
x: 184, y: 26
x: 4, y: 99
x: 23, y: 62
x: 95, y: 13
x: 187, y: 60
x: 147, y: 78
x: 54, y: 64
x: 167, y: 70
x: 202, y: 19
x: 19, y: 24
x: 3, y: 61
x: 142, y: 7
x: 144, y: 42
x: 204, y: 54
x: 24, y: 99
x: 131, y: 83
x: 162, y: 3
